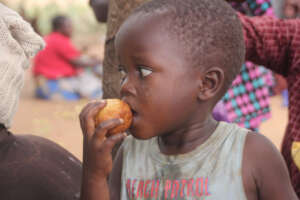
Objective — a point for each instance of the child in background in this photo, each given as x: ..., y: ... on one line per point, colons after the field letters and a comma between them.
x: 177, y: 150
x: 31, y: 168
x: 60, y: 71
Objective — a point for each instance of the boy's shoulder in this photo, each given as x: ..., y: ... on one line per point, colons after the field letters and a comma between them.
x: 264, y: 168
x: 257, y: 145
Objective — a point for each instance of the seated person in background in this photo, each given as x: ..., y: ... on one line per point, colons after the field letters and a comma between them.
x: 58, y: 69
x: 31, y: 168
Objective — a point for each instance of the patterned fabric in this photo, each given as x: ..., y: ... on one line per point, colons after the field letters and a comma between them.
x: 275, y: 44
x: 247, y: 101
x: 254, y: 7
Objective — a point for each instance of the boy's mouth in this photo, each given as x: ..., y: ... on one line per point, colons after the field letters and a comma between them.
x: 134, y: 113
x: 134, y: 117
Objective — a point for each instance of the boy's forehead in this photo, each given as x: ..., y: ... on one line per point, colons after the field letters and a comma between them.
x: 140, y: 29
x: 141, y: 24
x: 148, y: 37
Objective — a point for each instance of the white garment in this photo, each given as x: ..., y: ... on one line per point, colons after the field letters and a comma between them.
x: 18, y: 43
x: 213, y: 171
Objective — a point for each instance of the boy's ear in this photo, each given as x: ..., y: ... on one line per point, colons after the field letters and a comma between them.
x: 211, y: 83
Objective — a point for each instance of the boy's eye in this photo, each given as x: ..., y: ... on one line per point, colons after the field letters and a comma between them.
x: 145, y: 72
x: 123, y: 73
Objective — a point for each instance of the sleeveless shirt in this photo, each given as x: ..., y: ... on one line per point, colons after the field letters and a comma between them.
x: 212, y: 171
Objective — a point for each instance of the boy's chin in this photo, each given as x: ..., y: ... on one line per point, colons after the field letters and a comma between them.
x: 140, y: 135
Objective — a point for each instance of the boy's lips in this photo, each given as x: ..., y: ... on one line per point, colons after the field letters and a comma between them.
x: 134, y: 117
x: 134, y: 113
x: 132, y: 108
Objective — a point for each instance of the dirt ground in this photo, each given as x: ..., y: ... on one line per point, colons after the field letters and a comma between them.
x: 58, y: 121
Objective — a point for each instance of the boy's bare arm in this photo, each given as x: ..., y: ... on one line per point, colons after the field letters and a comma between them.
x: 94, y: 188
x: 97, y: 148
x: 267, y: 170
x: 115, y: 176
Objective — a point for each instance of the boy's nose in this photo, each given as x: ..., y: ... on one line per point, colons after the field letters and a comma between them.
x: 127, y: 88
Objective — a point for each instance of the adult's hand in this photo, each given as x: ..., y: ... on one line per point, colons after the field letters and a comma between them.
x: 100, y: 8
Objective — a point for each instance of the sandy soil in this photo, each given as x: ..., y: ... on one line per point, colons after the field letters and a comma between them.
x: 58, y: 121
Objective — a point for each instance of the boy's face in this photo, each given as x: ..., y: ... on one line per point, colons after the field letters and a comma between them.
x: 158, y: 82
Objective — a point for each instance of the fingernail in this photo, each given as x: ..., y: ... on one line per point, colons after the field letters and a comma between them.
x: 100, y: 101
x: 121, y: 120
x: 97, y: 101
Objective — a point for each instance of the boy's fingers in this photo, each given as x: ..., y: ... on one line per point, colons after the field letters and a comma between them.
x: 83, y: 113
x: 88, y: 118
x: 113, y: 140
x: 103, y: 129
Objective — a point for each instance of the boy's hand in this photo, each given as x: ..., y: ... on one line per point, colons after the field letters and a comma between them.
x: 97, y: 148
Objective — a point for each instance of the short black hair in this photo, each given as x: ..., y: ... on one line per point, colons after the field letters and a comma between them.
x: 209, y: 32
x: 58, y: 22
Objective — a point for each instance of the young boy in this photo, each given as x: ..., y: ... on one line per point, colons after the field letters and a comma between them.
x: 31, y: 168
x: 178, y: 58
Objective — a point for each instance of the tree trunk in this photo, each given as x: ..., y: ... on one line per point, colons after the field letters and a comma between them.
x: 119, y: 10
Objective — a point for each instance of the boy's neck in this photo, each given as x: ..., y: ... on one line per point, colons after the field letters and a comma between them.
x: 188, y: 138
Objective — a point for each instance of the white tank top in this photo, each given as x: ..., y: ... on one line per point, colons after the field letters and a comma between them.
x: 212, y: 171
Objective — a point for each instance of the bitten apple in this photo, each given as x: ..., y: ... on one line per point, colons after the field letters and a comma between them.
x: 115, y: 109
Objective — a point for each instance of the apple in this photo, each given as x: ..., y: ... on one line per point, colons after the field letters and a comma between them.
x: 115, y: 109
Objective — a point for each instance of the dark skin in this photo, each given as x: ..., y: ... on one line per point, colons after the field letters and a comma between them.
x: 291, y: 9
x: 100, y: 8
x: 150, y: 83
x: 67, y: 30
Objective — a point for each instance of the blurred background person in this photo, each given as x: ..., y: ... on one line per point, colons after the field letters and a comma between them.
x: 291, y: 9
x: 60, y: 71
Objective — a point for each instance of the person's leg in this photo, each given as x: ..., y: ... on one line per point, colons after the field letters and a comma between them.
x: 61, y: 89
x: 89, y: 85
